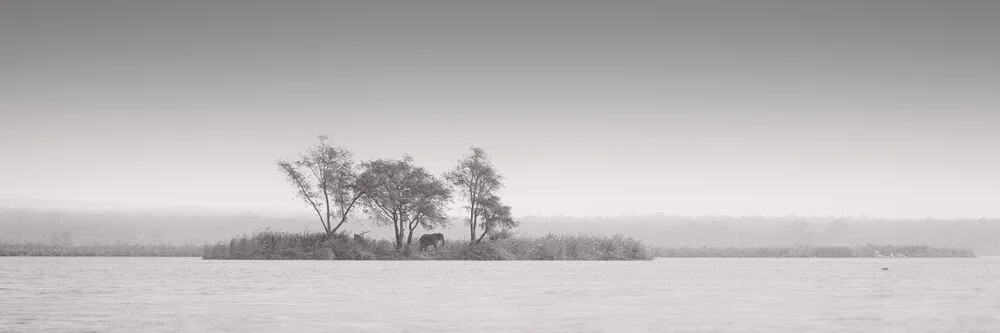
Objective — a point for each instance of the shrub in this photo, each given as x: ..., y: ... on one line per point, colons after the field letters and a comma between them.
x: 482, y: 251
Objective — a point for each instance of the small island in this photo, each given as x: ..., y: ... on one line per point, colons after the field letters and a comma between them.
x: 397, y: 194
x: 317, y: 246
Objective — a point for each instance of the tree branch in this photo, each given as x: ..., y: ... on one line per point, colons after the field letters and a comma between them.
x: 347, y: 211
x: 326, y: 196
x: 303, y: 189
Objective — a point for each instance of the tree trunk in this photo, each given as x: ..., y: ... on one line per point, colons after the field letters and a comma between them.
x: 329, y: 223
x: 487, y: 229
x: 472, y: 221
x: 409, y: 239
x: 397, y: 233
x: 342, y: 220
x: 326, y: 225
x: 399, y: 240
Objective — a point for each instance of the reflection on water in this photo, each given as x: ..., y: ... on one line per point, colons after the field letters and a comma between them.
x: 675, y: 295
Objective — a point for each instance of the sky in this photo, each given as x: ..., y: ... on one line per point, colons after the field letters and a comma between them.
x: 589, y: 108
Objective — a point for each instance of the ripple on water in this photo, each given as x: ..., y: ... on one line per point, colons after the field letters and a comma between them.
x: 733, y: 295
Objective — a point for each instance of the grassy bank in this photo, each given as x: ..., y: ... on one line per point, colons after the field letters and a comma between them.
x: 314, y: 246
x: 34, y: 249
x: 852, y: 251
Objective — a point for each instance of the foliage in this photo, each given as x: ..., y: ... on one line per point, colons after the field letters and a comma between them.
x: 500, y: 235
x: 404, y: 196
x: 478, y: 181
x: 495, y: 218
x: 324, y: 178
x: 273, y: 245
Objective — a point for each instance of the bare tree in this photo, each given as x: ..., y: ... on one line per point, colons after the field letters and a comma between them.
x: 477, y: 180
x: 404, y: 196
x: 325, y: 179
x: 495, y: 217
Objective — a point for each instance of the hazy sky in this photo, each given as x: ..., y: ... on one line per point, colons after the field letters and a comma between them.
x: 886, y: 108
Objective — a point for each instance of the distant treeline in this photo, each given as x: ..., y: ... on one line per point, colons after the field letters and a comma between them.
x: 30, y: 249
x: 979, y: 235
x: 83, y: 227
x: 808, y: 251
x: 107, y: 227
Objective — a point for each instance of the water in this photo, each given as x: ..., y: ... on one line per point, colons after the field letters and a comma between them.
x: 665, y: 295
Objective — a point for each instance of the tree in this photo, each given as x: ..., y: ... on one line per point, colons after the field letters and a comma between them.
x: 326, y: 180
x: 495, y: 217
x: 477, y: 180
x: 404, y: 196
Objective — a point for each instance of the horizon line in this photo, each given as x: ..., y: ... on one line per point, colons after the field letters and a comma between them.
x: 39, y: 204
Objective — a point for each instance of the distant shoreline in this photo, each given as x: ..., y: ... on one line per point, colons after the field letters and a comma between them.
x: 551, y: 247
x: 39, y: 249
x: 809, y: 251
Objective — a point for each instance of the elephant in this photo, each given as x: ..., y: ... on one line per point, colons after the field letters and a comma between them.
x: 431, y: 239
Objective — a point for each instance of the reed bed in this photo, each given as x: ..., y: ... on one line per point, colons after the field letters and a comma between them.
x: 270, y: 245
x: 37, y: 249
x: 560, y: 247
x: 274, y: 245
x: 807, y: 251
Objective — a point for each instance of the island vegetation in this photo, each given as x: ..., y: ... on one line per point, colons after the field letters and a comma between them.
x: 318, y: 246
x: 399, y: 194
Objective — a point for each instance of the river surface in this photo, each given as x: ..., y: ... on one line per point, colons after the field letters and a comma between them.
x: 47, y: 294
